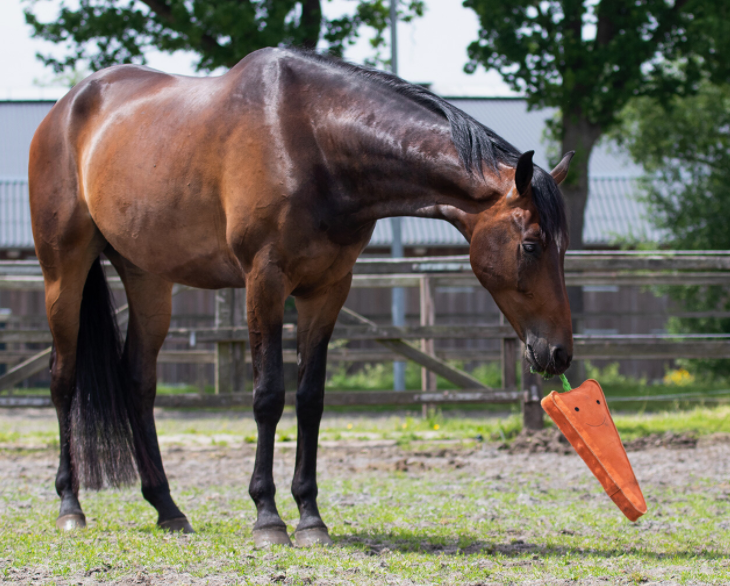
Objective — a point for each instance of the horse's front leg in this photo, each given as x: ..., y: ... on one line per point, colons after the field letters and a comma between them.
x: 265, y: 297
x: 317, y: 317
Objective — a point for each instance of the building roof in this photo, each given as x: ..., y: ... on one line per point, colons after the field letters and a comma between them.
x: 615, y: 213
x: 612, y: 212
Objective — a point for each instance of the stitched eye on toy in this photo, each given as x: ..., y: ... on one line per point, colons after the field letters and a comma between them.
x: 598, y: 402
x: 577, y: 409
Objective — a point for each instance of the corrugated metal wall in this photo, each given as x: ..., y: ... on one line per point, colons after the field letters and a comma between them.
x: 15, y: 231
x: 18, y: 122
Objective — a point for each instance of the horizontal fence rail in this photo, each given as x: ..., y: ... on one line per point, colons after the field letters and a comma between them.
x: 359, y: 281
x: 332, y: 399
x: 575, y: 260
x: 645, y: 346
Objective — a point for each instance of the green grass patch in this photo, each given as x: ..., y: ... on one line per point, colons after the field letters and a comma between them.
x: 234, y: 428
x: 379, y: 376
x: 439, y: 528
x: 680, y: 390
x: 698, y: 421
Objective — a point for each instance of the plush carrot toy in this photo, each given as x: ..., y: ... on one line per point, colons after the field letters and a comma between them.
x: 583, y: 416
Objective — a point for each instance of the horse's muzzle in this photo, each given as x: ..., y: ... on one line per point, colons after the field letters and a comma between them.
x: 546, y: 358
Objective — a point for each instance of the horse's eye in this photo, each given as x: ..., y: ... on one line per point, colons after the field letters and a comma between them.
x: 529, y: 247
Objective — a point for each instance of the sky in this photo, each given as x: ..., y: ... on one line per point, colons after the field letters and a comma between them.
x: 431, y: 49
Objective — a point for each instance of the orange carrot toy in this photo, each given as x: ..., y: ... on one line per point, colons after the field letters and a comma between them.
x: 583, y: 416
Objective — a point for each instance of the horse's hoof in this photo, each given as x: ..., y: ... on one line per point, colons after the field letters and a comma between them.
x: 270, y: 536
x: 310, y: 537
x: 180, y: 524
x: 71, y: 522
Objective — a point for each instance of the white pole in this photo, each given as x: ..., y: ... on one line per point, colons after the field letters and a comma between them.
x: 394, y: 36
x: 398, y: 305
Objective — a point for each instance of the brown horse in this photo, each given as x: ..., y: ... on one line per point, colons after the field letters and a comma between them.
x: 270, y: 177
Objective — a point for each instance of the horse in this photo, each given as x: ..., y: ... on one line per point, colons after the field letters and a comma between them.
x: 269, y: 177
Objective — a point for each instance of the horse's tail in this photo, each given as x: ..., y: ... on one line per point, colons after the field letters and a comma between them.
x: 104, y: 422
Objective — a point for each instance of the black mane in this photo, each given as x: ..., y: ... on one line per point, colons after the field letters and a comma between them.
x: 475, y: 143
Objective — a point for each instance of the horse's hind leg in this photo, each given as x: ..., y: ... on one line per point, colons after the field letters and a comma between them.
x: 150, y: 305
x: 317, y: 317
x: 65, y: 279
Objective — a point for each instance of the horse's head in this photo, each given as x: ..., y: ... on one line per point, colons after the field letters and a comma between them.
x: 517, y: 251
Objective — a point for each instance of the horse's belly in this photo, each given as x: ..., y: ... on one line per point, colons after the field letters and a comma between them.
x: 180, y: 239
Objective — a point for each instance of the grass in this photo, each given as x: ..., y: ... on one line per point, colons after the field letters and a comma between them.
x: 228, y: 427
x: 682, y: 390
x: 698, y: 421
x: 446, y: 527
x: 379, y: 376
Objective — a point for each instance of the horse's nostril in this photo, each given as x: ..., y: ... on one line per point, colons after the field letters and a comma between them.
x: 561, y: 358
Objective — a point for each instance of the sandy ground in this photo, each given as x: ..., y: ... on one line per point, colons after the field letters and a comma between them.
x: 201, y: 460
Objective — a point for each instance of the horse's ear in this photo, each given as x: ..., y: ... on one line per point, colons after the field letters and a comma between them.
x: 523, y: 172
x: 561, y: 169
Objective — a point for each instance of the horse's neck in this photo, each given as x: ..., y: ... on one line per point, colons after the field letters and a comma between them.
x: 403, y: 168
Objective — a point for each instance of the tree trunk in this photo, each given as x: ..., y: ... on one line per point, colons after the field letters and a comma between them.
x: 311, y: 23
x: 578, y: 135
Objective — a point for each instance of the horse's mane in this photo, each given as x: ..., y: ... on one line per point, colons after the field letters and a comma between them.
x: 475, y: 143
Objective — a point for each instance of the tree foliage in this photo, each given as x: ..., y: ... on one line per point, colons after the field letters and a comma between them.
x: 100, y: 33
x: 685, y: 148
x: 590, y: 58
x: 684, y: 145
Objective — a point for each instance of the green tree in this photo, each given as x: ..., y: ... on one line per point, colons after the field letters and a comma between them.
x: 684, y: 145
x: 590, y: 57
x: 100, y: 33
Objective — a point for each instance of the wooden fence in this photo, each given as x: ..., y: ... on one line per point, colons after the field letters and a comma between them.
x: 230, y: 335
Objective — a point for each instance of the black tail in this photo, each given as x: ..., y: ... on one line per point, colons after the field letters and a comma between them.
x: 104, y: 421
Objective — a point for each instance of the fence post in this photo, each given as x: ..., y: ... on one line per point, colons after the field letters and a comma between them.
x: 532, y: 413
x: 229, y: 356
x: 240, y: 318
x: 4, y: 313
x: 508, y: 348
x: 428, y: 318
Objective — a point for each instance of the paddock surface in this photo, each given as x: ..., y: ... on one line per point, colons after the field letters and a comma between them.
x: 401, y: 511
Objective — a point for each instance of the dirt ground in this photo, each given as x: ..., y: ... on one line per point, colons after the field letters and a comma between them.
x: 210, y: 465
x: 199, y: 461
x: 205, y: 460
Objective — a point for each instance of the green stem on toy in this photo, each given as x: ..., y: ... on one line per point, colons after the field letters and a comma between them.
x: 566, y: 384
x: 563, y: 379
